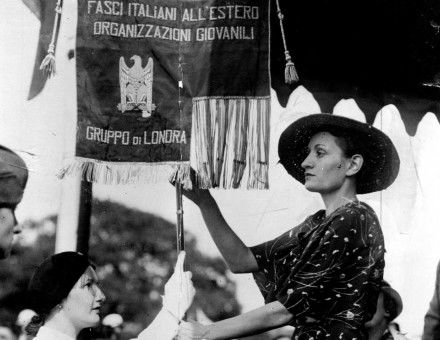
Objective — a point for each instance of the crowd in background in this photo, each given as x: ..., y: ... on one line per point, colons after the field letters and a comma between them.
x: 110, y: 328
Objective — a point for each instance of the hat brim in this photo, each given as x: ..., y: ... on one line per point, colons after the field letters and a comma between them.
x: 395, y: 296
x: 381, y: 168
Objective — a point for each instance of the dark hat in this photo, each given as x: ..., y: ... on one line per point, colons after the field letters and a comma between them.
x: 54, y: 279
x: 392, y: 301
x: 381, y: 164
x: 13, y: 176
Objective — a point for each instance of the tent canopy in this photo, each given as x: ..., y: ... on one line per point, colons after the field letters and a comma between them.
x: 377, y: 52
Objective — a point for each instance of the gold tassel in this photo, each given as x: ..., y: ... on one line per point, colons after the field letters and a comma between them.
x: 48, y: 63
x: 290, y: 73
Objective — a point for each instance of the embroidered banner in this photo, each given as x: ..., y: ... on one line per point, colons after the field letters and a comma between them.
x: 152, y: 75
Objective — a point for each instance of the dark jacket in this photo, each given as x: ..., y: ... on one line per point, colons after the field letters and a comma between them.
x: 431, y: 330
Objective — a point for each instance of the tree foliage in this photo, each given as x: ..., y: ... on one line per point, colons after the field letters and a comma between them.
x: 134, y: 253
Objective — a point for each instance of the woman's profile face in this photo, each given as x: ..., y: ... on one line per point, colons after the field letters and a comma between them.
x: 83, y: 304
x: 8, y: 227
x: 325, y: 165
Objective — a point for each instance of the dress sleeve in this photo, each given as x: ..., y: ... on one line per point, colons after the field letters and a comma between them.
x: 263, y: 254
x: 344, y: 250
x: 266, y: 252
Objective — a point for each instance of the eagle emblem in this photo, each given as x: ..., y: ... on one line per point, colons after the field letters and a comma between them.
x: 136, y: 85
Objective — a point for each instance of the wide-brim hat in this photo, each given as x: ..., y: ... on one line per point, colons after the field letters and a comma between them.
x: 380, y: 168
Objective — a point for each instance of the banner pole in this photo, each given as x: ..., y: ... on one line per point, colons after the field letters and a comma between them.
x: 85, y: 213
x: 179, y: 212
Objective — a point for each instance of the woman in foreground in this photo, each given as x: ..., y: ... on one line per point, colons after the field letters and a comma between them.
x: 67, y: 297
x: 324, y: 276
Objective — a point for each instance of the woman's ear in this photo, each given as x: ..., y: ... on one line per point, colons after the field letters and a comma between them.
x: 355, y: 164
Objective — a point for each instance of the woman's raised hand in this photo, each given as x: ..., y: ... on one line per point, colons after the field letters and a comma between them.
x: 195, y: 194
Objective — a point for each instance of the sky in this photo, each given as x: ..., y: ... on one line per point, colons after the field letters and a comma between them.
x: 42, y: 131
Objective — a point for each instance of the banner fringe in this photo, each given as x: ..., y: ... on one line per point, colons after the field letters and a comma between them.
x: 230, y: 135
x: 258, y: 157
x: 126, y: 172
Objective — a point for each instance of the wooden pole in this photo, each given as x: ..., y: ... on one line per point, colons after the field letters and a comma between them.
x: 179, y: 212
x: 68, y: 215
x: 85, y: 213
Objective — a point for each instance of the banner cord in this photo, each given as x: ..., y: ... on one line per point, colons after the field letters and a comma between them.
x: 178, y: 184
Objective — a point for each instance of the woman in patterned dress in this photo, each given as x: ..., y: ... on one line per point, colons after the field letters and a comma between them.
x: 324, y: 276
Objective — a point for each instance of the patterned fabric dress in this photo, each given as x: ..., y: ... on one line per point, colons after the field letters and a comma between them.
x: 327, y: 272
